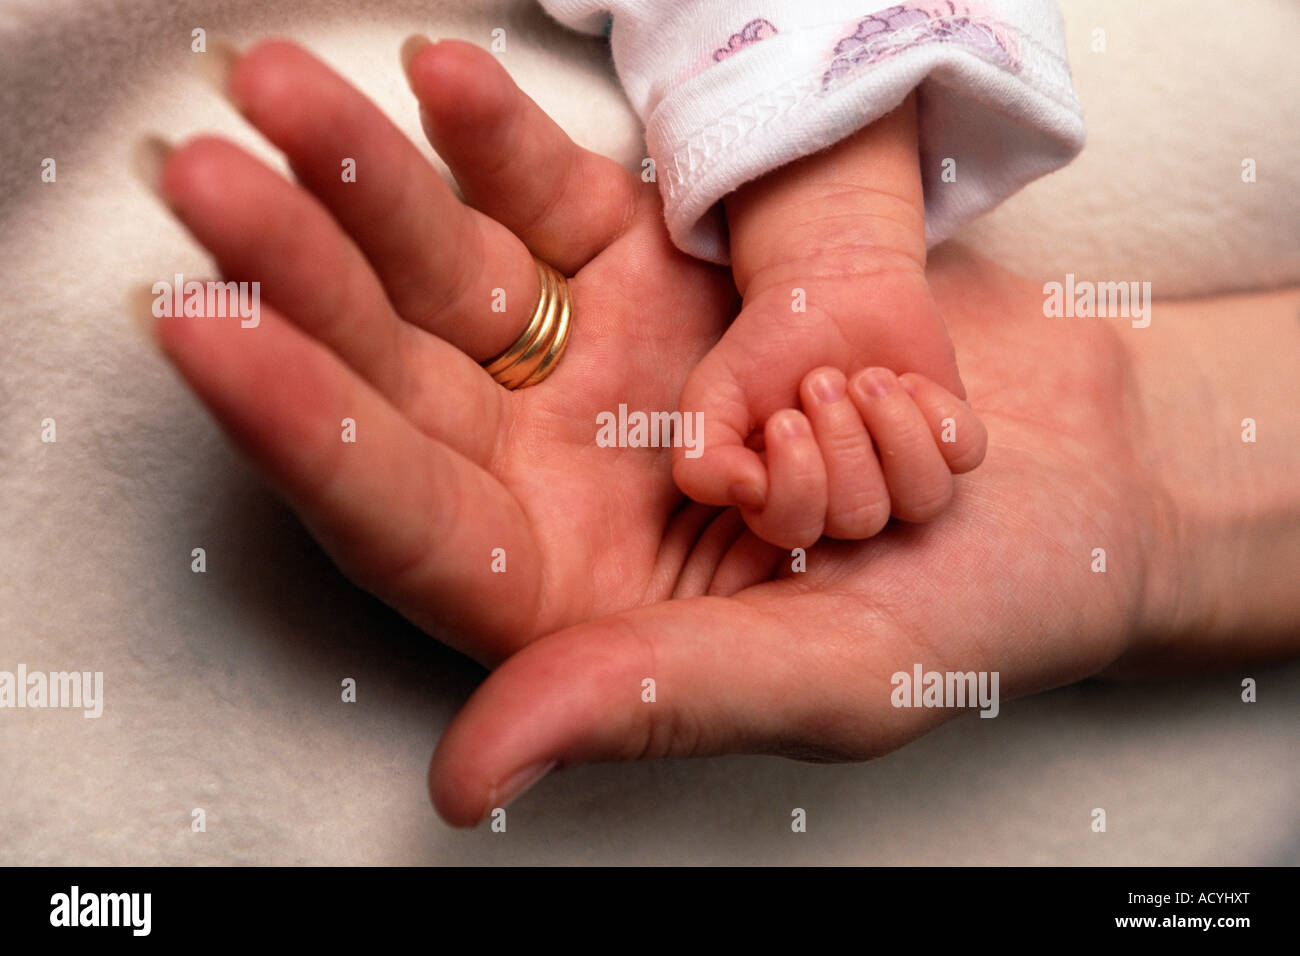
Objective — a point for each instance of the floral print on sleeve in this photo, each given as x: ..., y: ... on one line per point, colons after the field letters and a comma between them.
x: 751, y: 33
x: 888, y: 32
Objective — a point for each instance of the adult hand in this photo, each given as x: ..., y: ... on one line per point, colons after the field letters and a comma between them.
x: 378, y: 300
x: 1119, y: 525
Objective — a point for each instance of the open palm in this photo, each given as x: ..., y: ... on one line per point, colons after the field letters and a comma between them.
x: 381, y: 295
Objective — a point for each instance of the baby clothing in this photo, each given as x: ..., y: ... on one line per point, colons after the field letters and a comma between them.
x: 731, y: 89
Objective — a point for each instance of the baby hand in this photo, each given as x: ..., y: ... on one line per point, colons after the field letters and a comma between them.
x: 824, y: 475
x: 829, y: 254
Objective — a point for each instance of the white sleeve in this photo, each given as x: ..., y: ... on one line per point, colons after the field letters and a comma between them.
x: 730, y: 89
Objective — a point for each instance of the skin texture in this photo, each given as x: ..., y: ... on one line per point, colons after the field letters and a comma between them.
x: 1098, y: 436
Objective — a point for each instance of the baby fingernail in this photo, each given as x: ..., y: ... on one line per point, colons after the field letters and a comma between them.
x: 411, y: 46
x: 148, y: 158
x: 877, y: 382
x: 828, y: 386
x: 517, y: 784
x: 793, y: 425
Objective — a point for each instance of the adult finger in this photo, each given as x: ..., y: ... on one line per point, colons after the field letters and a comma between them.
x: 402, y: 514
x: 512, y: 161
x: 446, y: 268
x: 262, y: 228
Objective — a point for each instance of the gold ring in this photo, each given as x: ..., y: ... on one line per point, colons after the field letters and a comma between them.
x: 538, y: 349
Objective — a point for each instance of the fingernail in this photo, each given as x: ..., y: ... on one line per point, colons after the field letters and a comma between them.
x: 216, y: 65
x: 746, y: 495
x: 877, y: 382
x: 411, y: 46
x: 907, y: 386
x: 504, y: 794
x: 139, y: 309
x: 793, y: 425
x: 828, y: 386
x: 148, y: 159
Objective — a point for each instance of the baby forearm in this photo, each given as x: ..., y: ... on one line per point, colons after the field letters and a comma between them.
x: 862, y: 193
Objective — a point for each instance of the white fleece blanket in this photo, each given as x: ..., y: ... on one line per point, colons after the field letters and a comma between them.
x: 221, y: 690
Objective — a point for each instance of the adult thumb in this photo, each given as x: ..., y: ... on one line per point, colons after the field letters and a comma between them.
x: 692, y: 677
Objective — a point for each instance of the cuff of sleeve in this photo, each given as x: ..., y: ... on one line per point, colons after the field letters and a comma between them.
x: 995, y: 101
